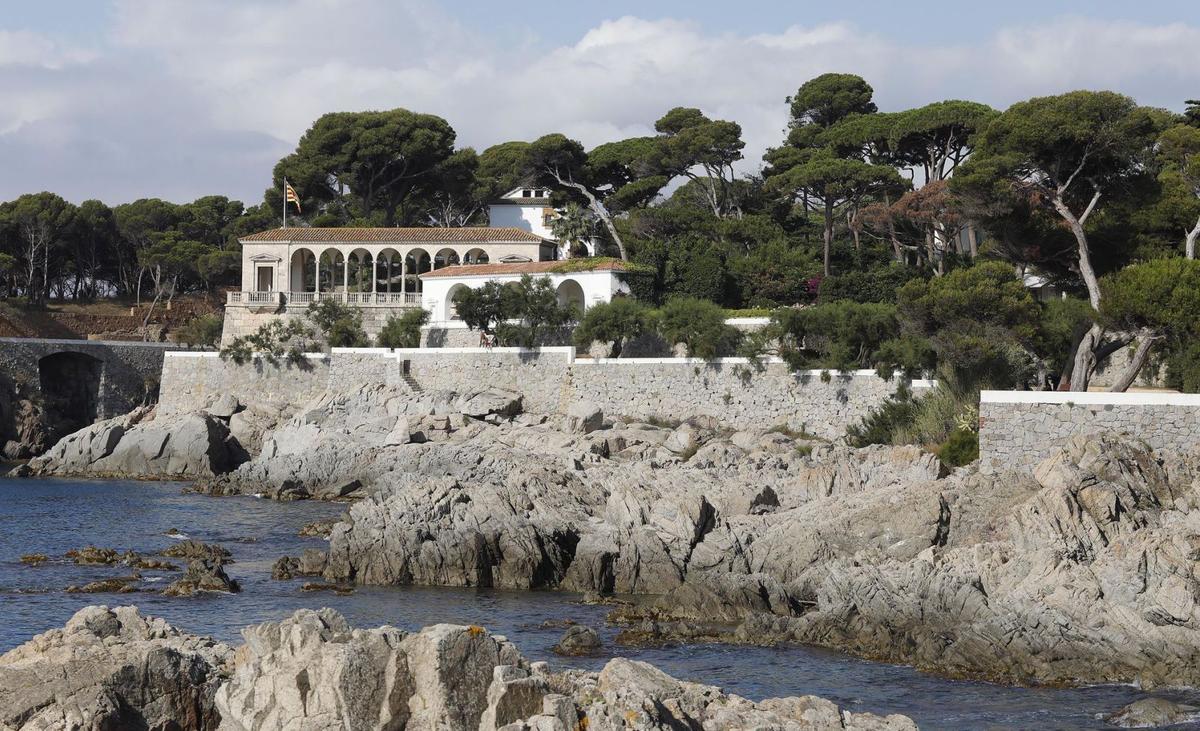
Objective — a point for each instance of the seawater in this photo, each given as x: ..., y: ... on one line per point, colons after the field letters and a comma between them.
x: 52, y: 516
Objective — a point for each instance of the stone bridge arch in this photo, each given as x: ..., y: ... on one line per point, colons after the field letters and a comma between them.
x: 71, y: 383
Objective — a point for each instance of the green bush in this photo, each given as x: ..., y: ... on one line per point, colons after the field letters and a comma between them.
x: 272, y: 341
x: 838, y: 335
x: 340, y: 323
x: 881, y: 425
x: 699, y: 325
x: 521, y: 314
x: 404, y: 330
x: 204, y: 331
x: 981, y: 321
x: 1183, y: 368
x: 873, y: 285
x: 613, y: 322
x: 960, y: 448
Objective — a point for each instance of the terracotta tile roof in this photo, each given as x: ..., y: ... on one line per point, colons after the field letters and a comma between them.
x: 568, y: 266
x: 464, y: 235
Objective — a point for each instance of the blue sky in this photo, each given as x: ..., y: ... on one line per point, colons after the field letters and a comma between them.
x: 119, y: 99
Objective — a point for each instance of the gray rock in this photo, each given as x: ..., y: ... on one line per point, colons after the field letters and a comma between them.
x: 490, y: 401
x: 112, y: 668
x: 312, y: 671
x: 578, y: 640
x: 137, y: 445
x: 202, y: 575
x: 224, y: 407
x: 1153, y: 713
x: 583, y: 417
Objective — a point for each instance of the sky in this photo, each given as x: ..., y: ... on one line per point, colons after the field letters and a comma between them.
x: 123, y: 99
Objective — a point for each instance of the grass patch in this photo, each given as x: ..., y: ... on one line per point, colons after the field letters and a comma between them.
x: 587, y: 264
x: 801, y: 433
x: 663, y: 422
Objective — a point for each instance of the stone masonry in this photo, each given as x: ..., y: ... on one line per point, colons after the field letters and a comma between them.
x: 1018, y: 429
x: 734, y: 391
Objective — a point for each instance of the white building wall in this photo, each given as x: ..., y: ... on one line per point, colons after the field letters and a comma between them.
x: 529, y: 218
x: 598, y: 287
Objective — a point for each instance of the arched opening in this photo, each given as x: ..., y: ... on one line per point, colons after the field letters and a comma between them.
x: 570, y: 294
x: 475, y: 256
x: 416, y: 263
x: 71, y: 389
x: 331, y: 271
x: 388, y: 271
x: 359, y: 271
x: 451, y: 308
x: 303, y: 271
x: 445, y: 258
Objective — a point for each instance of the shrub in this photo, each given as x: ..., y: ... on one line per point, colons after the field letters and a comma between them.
x: 404, y: 330
x: 699, y: 325
x: 881, y: 424
x: 204, y: 331
x: 960, y: 448
x: 981, y: 321
x: 341, y: 324
x: 838, y: 335
x: 1183, y: 368
x: 613, y: 322
x: 873, y: 285
x: 272, y: 341
x: 519, y: 314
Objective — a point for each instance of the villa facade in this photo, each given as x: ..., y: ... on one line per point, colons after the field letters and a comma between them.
x: 382, y: 271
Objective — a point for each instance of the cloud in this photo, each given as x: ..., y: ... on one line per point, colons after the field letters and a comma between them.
x: 183, y: 98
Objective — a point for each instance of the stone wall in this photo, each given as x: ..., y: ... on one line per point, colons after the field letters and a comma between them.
x: 1018, y: 429
x: 734, y: 391
x: 124, y: 371
x: 191, y: 381
x: 242, y: 320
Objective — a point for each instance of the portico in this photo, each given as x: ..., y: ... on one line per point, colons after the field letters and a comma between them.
x: 369, y: 266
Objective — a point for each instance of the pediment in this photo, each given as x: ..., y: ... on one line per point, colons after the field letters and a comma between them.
x: 265, y: 258
x: 514, y: 259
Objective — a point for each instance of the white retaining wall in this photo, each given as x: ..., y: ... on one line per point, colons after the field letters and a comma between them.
x: 1018, y: 429
x: 192, y: 381
x: 735, y: 391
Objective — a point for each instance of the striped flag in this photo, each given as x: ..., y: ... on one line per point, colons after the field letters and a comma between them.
x: 289, y: 196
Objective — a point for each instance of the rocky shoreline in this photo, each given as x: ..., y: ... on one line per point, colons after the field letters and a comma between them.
x: 113, y: 668
x: 1086, y: 571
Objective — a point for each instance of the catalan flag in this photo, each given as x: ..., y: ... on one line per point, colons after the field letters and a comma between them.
x: 289, y: 195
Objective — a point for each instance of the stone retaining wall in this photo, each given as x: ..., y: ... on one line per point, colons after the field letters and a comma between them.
x: 191, y: 381
x: 734, y: 391
x: 1018, y: 429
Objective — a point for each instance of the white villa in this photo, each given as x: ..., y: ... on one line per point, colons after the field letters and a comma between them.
x: 384, y: 270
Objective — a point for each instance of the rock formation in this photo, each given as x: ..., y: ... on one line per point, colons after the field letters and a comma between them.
x: 140, y: 445
x: 109, y: 669
x: 1085, y: 571
x: 114, y: 669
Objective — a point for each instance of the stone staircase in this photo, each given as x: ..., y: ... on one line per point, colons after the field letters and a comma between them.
x: 408, y: 379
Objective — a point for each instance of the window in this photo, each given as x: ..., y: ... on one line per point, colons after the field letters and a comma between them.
x: 527, y: 193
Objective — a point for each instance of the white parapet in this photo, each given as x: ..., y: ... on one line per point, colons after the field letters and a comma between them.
x: 1091, y: 398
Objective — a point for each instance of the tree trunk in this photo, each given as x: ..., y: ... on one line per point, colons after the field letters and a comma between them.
x: 1146, y: 341
x: 828, y: 232
x: 973, y: 241
x: 1189, y: 241
x: 1085, y: 358
x: 597, y: 208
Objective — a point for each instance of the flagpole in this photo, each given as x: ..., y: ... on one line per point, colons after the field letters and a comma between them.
x: 285, y: 188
